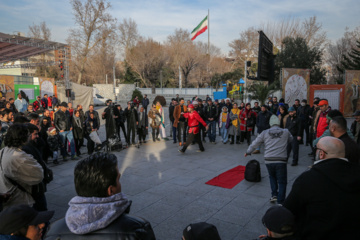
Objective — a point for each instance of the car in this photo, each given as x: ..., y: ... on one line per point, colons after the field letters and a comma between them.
x: 99, y: 100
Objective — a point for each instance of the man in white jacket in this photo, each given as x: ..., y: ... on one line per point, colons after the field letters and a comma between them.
x: 18, y: 171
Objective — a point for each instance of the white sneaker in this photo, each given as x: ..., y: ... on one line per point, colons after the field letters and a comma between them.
x: 273, y: 199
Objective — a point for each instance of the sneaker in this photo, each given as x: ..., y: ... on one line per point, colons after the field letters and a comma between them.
x: 158, y: 139
x: 180, y: 150
x: 256, y: 152
x: 273, y: 199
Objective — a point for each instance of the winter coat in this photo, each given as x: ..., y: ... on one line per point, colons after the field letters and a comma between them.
x: 62, y: 121
x: 131, y: 116
x: 145, y: 102
x: 353, y: 131
x: 294, y: 125
x: 78, y: 128
x: 171, y: 112
x: 232, y: 129
x: 262, y: 121
x: 91, y: 124
x: 324, y: 201
x: 100, y: 218
x: 177, y: 114
x: 211, y: 112
x: 96, y: 116
x: 304, y: 112
x: 276, y: 140
x: 220, y: 119
x: 321, y: 125
x: 352, y: 149
x: 54, y: 142
x: 154, y: 118
x: 283, y: 119
x: 247, y: 114
x: 21, y: 167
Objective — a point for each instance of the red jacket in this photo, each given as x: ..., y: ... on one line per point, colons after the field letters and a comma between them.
x: 246, y: 114
x: 37, y: 105
x: 321, y: 126
x: 193, y: 121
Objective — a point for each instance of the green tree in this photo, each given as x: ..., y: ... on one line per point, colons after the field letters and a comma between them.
x: 295, y: 53
x: 218, y: 78
x: 260, y: 91
x: 352, y: 60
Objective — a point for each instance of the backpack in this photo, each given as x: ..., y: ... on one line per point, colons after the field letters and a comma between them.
x: 252, y: 171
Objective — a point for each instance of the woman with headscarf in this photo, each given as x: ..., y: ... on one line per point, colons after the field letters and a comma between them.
x: 162, y: 123
x: 283, y: 116
x: 233, y: 124
x: 248, y: 120
x: 78, y: 131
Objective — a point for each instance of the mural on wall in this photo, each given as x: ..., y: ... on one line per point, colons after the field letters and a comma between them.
x: 47, y: 86
x: 7, y: 86
x: 352, y: 89
x: 295, y: 84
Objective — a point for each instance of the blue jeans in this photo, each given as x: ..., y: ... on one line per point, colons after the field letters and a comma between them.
x: 67, y: 135
x: 278, y: 180
x: 212, y: 130
x: 223, y: 132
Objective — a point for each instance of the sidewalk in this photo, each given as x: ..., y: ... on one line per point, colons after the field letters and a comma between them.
x: 168, y: 188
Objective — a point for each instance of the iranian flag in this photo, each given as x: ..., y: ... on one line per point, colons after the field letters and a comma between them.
x: 200, y: 28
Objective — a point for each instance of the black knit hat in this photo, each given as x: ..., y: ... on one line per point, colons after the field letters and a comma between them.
x: 279, y: 219
x: 201, y: 231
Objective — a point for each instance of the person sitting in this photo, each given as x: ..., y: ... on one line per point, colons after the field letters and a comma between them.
x: 17, y: 169
x: 22, y: 222
x: 200, y: 231
x: 323, y: 199
x: 100, y: 210
x: 279, y: 223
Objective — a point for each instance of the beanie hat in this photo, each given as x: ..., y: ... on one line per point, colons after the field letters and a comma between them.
x: 274, y: 120
x: 51, y: 129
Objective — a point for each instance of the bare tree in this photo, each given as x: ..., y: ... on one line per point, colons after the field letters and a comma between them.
x: 335, y: 52
x: 128, y: 34
x: 147, y: 58
x: 40, y: 31
x: 94, y: 24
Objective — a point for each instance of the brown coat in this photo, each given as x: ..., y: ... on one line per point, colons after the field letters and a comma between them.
x: 177, y: 114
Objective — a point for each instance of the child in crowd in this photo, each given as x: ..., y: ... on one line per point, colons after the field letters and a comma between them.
x: 54, y: 142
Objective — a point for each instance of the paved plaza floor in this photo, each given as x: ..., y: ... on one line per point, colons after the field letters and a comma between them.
x: 168, y: 188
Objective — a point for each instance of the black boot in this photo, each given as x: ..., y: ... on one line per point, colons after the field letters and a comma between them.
x: 232, y: 139
x: 237, y: 139
x: 153, y: 136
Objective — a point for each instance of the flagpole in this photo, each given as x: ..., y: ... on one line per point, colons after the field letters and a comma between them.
x: 209, y: 32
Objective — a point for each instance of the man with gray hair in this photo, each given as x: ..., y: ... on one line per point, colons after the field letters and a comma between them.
x: 324, y: 199
x: 276, y: 140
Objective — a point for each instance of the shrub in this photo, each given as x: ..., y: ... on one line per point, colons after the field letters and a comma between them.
x: 138, y: 93
x: 160, y: 99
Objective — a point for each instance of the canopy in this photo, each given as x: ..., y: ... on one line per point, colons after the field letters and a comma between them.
x: 241, y: 81
x: 14, y: 47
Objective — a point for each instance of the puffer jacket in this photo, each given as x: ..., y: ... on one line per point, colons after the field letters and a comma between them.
x: 18, y: 166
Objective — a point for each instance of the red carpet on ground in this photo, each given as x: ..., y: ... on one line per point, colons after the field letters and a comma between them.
x: 230, y: 178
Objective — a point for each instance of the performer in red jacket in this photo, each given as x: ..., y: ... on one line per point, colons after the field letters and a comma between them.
x: 194, y: 120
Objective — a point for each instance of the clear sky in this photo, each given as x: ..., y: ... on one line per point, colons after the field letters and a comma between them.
x: 160, y: 18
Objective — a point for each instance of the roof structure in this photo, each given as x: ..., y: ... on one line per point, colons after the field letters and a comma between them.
x: 14, y: 47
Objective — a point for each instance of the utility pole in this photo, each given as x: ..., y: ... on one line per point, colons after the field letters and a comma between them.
x: 114, y: 81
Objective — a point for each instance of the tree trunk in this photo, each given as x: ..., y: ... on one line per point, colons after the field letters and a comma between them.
x: 153, y: 86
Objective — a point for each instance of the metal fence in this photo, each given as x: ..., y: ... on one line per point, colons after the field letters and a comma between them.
x: 183, y: 91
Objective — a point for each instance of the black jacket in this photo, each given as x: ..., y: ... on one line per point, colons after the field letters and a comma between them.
x: 294, y: 125
x: 352, y: 149
x: 353, y: 131
x: 304, y: 112
x: 121, y: 118
x: 324, y: 201
x: 131, y: 117
x: 171, y: 112
x: 263, y: 121
x: 110, y: 123
x: 62, y: 121
x: 210, y: 112
x: 96, y: 115
x: 78, y: 131
x: 125, y: 227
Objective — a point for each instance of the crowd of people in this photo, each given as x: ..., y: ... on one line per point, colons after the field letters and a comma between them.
x: 32, y: 133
